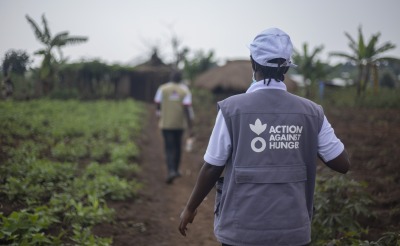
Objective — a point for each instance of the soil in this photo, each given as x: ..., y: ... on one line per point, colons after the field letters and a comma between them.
x: 153, y: 217
x: 370, y: 135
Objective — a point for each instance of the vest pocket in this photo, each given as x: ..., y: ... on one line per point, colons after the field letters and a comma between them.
x: 270, y: 197
x: 271, y: 174
x: 218, y: 188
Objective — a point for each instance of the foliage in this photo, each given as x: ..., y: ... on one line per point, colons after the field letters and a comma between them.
x: 311, y: 68
x: 49, y: 62
x: 388, y: 80
x: 200, y: 63
x: 367, y: 57
x: 15, y: 61
x: 45, y: 146
x: 14, y: 66
x: 124, y: 151
x: 89, y: 80
x: 350, y: 239
x: 26, y: 227
x: 338, y: 203
x: 121, y: 168
x: 344, y: 97
x: 385, y: 98
x: 179, y: 53
x: 84, y: 237
x: 100, y: 181
x: 38, y: 180
x: 86, y: 211
x: 65, y: 94
x: 389, y: 238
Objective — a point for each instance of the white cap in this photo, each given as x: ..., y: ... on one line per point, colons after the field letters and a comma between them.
x: 270, y: 44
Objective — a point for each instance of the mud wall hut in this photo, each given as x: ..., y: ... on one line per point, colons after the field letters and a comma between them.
x: 143, y: 81
x: 232, y: 78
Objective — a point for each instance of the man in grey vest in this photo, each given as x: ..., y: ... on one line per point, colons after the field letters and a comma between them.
x: 266, y: 141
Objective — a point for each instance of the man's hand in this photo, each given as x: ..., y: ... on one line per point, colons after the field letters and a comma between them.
x: 208, y: 175
x: 186, y: 218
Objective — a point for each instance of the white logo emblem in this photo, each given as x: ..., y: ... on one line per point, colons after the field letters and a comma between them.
x: 258, y: 128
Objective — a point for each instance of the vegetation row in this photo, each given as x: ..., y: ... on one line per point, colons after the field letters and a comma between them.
x: 60, y: 162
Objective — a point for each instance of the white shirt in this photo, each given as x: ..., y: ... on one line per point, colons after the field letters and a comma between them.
x: 219, y: 146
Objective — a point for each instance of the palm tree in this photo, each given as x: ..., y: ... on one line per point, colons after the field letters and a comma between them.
x: 48, y: 69
x: 310, y: 67
x: 367, y: 56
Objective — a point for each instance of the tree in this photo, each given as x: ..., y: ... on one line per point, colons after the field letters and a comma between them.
x: 179, y: 53
x: 15, y: 61
x: 367, y: 57
x: 310, y: 67
x: 49, y: 62
x: 201, y: 62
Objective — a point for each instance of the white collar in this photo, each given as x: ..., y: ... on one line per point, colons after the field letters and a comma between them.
x: 272, y: 85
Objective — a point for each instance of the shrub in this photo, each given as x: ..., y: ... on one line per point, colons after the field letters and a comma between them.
x: 36, y: 138
x: 27, y: 227
x: 338, y: 203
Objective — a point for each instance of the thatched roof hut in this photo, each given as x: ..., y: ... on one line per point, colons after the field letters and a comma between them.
x: 232, y: 78
x: 143, y: 81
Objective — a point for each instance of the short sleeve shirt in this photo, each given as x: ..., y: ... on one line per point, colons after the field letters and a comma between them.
x: 173, y: 97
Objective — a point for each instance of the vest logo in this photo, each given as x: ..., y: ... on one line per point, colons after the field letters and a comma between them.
x: 258, y: 128
x: 174, y: 96
x: 280, y: 136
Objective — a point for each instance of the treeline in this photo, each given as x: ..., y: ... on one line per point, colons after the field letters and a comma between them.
x: 84, y: 80
x: 90, y: 80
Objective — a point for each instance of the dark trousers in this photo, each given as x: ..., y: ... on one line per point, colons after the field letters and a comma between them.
x: 173, y: 143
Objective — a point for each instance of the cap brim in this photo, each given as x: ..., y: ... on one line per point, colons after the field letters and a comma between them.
x: 268, y: 64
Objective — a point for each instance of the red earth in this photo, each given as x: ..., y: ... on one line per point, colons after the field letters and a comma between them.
x: 372, y: 138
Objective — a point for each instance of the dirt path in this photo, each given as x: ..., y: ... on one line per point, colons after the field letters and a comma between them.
x: 153, y: 217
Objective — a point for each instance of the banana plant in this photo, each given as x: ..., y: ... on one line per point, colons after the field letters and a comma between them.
x: 367, y: 56
x: 48, y: 66
x: 311, y: 67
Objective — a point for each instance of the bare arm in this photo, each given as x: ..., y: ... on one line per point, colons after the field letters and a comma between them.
x: 158, y: 110
x: 206, y: 180
x: 189, y: 118
x: 340, y: 164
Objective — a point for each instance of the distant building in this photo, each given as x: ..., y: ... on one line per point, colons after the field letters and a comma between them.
x: 232, y: 78
x: 143, y: 81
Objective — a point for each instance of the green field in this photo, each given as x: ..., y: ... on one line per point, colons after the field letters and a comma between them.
x: 60, y: 161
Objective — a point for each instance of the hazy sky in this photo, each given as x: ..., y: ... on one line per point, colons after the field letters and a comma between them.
x: 123, y: 31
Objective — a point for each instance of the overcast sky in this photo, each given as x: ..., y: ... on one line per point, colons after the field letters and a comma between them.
x: 123, y: 31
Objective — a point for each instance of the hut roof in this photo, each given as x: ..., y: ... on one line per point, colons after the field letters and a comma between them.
x: 233, y: 76
x: 154, y: 64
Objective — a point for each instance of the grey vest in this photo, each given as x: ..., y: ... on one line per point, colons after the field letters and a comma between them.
x: 267, y: 194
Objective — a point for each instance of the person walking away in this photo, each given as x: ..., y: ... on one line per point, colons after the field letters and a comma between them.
x: 267, y: 142
x: 174, y: 109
